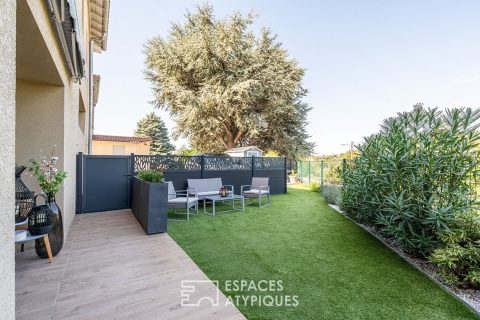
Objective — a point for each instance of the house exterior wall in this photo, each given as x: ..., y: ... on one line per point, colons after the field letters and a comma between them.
x: 245, y: 153
x: 255, y: 153
x: 45, y: 123
x: 50, y: 115
x: 235, y: 154
x: 7, y: 154
x: 106, y: 147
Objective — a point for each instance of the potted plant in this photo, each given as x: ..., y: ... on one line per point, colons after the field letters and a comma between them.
x: 50, y: 179
x: 292, y: 177
x: 150, y: 201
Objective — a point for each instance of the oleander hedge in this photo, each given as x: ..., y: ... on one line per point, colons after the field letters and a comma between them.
x: 416, y: 179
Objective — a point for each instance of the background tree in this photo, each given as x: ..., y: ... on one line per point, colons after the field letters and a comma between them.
x: 185, y: 151
x: 153, y: 127
x: 227, y: 87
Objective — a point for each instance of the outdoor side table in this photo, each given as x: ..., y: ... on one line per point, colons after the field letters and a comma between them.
x: 23, y: 225
x: 217, y: 198
x: 29, y: 237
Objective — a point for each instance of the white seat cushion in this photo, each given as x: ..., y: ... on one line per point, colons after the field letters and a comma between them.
x: 210, y: 193
x: 256, y: 191
x: 182, y: 200
x: 207, y: 193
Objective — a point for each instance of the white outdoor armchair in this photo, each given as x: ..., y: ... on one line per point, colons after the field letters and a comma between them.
x: 182, y: 199
x: 257, y: 190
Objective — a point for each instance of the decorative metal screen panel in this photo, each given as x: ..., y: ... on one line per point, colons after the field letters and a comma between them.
x: 227, y: 163
x: 167, y: 163
x: 103, y: 182
x: 269, y: 163
x: 236, y: 171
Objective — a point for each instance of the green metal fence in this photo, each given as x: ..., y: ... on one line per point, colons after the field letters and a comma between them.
x: 321, y: 171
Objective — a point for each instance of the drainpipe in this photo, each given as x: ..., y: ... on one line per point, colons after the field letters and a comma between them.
x: 91, y: 107
x: 90, y: 96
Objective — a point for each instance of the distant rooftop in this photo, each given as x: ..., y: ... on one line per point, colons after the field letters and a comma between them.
x: 242, y: 149
x: 101, y: 137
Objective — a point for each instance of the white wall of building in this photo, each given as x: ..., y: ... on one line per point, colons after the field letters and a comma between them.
x: 7, y: 156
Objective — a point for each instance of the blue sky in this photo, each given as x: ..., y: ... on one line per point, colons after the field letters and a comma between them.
x: 364, y: 60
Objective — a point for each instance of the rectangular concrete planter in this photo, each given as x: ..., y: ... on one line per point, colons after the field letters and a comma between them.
x: 149, y: 205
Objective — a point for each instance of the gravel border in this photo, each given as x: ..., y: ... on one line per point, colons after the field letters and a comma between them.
x: 469, y: 297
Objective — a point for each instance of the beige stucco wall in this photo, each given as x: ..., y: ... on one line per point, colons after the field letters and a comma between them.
x: 106, y: 147
x: 39, y: 126
x: 7, y: 152
x: 52, y: 116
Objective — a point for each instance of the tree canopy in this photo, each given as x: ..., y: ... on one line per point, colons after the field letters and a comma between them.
x: 153, y: 127
x: 227, y: 87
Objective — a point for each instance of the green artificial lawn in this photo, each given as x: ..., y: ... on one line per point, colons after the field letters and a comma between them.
x: 337, y: 270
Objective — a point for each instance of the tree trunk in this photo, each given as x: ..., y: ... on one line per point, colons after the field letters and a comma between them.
x: 231, y: 138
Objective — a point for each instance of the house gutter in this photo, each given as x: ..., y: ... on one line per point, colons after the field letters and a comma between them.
x: 91, y: 107
x: 90, y: 96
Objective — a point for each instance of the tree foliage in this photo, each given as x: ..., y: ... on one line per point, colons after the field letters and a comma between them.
x: 153, y: 127
x: 227, y: 87
x: 186, y: 151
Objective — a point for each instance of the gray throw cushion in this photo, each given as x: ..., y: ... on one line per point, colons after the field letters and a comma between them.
x: 171, y: 191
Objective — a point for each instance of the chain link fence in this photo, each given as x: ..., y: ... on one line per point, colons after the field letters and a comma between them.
x: 320, y: 171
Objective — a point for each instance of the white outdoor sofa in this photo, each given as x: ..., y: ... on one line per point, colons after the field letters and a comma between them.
x: 206, y: 187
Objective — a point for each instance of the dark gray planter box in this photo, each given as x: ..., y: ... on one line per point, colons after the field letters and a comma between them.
x: 149, y: 205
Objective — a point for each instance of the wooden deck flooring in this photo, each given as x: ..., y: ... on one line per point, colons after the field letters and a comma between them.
x: 109, y: 269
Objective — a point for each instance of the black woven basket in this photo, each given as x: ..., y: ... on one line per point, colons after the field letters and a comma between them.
x: 23, y: 197
x: 40, y: 220
x: 23, y: 205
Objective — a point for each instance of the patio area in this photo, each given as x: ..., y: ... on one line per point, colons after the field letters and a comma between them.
x: 109, y: 269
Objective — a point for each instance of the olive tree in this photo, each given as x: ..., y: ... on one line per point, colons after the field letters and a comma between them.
x: 227, y: 86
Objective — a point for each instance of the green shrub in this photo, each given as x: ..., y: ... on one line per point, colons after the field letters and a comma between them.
x: 332, y: 172
x: 150, y: 176
x: 314, y: 186
x: 414, y: 177
x: 459, y: 259
x: 332, y: 194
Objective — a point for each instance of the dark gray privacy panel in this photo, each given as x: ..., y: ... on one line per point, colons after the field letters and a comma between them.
x: 106, y: 183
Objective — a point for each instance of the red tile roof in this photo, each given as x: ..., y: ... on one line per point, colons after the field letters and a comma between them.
x: 100, y: 137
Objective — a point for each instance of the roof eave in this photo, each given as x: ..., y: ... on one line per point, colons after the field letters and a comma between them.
x: 99, y: 20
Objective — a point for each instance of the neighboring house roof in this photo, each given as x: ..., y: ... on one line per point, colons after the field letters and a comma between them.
x: 101, y: 137
x: 209, y: 154
x: 99, y: 16
x: 242, y: 149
